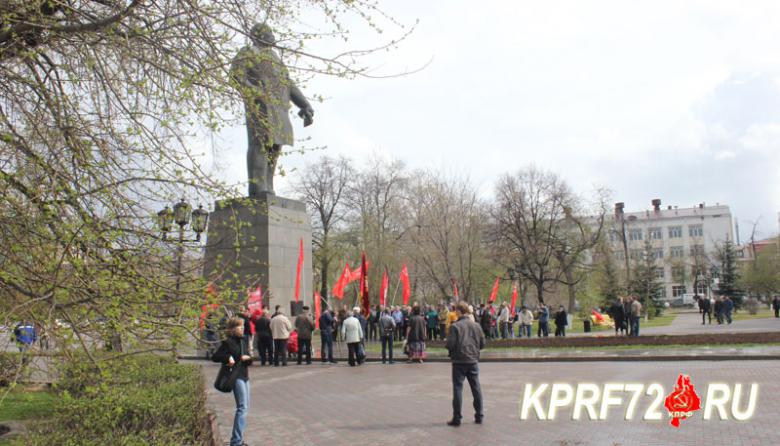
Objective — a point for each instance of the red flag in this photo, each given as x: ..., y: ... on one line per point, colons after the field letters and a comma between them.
x: 338, y: 288
x: 364, y: 284
x: 407, y: 291
x: 383, y: 288
x: 494, y: 293
x: 514, y: 298
x: 317, y: 308
x: 455, y: 292
x: 298, y: 272
x: 356, y: 274
x: 255, y: 301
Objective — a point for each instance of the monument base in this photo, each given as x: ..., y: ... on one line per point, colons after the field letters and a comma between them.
x: 255, y: 241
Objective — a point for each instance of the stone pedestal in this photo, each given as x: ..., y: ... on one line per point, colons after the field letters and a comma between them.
x: 256, y: 241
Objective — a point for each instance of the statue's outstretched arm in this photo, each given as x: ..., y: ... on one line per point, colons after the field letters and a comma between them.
x: 300, y: 101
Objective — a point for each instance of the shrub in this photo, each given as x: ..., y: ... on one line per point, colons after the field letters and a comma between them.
x: 11, y: 368
x: 136, y: 400
x: 751, y: 305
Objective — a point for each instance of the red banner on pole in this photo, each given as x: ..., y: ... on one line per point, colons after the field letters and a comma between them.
x: 317, y: 308
x: 364, y: 285
x: 514, y: 299
x: 407, y: 291
x: 338, y: 288
x: 383, y: 288
x: 298, y: 271
x: 494, y: 293
x: 255, y: 301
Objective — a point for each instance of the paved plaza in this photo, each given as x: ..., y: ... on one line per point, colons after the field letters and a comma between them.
x: 406, y: 404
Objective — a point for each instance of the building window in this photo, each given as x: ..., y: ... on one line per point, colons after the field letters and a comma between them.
x: 697, y: 250
x: 635, y: 254
x: 701, y: 289
x: 662, y: 292
x: 695, y: 231
x: 676, y: 251
x: 678, y: 273
x: 658, y: 253
x: 659, y: 273
x: 635, y: 234
x: 619, y: 255
x: 678, y: 290
x: 675, y: 231
x: 655, y: 234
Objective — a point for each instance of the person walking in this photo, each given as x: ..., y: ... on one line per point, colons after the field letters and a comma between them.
x: 415, y: 337
x: 305, y: 327
x: 561, y: 321
x: 326, y: 335
x: 776, y: 306
x: 232, y: 353
x: 352, y: 332
x: 526, y: 321
x: 265, y: 339
x: 636, y: 314
x: 706, y: 309
x: 718, y: 309
x: 280, y: 330
x: 464, y: 343
x: 728, y: 307
x: 386, y: 332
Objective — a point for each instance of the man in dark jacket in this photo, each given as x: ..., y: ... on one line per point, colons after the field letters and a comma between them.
x: 464, y: 342
x: 386, y: 332
x: 326, y: 334
x: 305, y: 327
x: 706, y: 309
x: 561, y: 321
x: 265, y: 340
x: 617, y: 313
x: 776, y: 306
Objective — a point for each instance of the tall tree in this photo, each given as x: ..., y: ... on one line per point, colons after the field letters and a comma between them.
x: 728, y: 284
x: 527, y: 213
x: 644, y: 281
x: 323, y: 186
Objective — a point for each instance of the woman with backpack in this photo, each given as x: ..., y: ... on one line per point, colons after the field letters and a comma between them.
x: 233, y: 353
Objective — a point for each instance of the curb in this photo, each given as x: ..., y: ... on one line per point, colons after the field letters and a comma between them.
x: 635, y: 358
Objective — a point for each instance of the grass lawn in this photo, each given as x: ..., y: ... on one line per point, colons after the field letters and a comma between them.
x: 744, y: 315
x: 25, y: 402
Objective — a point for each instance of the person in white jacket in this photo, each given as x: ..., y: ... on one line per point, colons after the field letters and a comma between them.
x: 352, y: 332
x: 280, y: 330
x: 526, y: 320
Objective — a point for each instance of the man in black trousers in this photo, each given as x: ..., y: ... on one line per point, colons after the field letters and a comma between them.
x: 464, y: 342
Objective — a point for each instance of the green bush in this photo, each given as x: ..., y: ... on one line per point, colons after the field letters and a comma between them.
x: 138, y: 400
x: 10, y: 364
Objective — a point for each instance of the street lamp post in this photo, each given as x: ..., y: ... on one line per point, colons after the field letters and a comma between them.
x: 182, y: 214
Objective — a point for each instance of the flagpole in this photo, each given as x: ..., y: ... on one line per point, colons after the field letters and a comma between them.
x: 396, y: 291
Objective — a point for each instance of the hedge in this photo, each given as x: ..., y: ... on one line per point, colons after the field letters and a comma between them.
x: 136, y: 400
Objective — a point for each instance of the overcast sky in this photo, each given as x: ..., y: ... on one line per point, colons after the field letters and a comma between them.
x: 652, y: 99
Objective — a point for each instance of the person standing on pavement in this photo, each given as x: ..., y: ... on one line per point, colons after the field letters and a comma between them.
x: 526, y: 321
x: 386, y: 332
x: 627, y: 315
x: 352, y: 332
x: 718, y: 307
x: 280, y: 330
x: 776, y: 306
x: 544, y: 318
x: 265, y: 339
x: 618, y: 315
x: 561, y: 321
x: 636, y: 314
x: 305, y: 327
x: 706, y: 309
x: 431, y: 322
x: 232, y: 353
x: 443, y: 317
x: 373, y: 323
x: 326, y: 335
x: 464, y: 343
x: 503, y: 321
x: 451, y: 319
x: 398, y: 317
x: 415, y: 337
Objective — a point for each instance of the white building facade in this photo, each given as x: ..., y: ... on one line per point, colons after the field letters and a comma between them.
x: 684, y: 242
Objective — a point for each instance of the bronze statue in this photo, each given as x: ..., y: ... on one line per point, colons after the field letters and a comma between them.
x: 266, y: 87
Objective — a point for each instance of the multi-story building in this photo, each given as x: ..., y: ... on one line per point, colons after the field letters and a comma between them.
x: 684, y: 243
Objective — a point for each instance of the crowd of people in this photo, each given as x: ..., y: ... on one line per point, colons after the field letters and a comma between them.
x: 626, y: 313
x: 723, y: 307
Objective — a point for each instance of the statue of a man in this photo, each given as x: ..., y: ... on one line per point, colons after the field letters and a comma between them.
x: 265, y: 85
